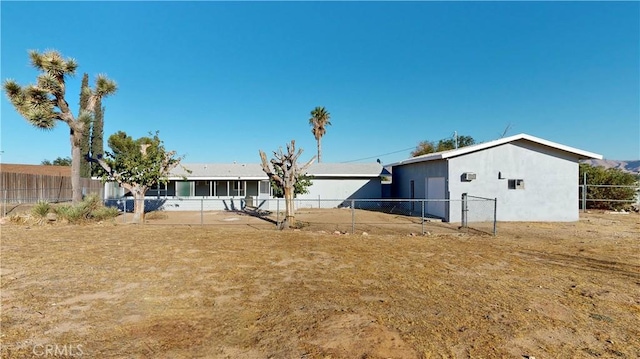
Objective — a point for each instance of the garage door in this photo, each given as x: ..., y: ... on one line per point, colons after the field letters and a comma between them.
x: 435, y: 189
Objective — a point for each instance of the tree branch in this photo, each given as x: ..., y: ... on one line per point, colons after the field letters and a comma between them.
x: 267, y: 169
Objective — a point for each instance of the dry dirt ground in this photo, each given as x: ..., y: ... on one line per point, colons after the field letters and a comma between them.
x: 113, y: 290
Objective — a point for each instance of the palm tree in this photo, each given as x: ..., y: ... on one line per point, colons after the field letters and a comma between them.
x: 44, y: 103
x: 319, y: 120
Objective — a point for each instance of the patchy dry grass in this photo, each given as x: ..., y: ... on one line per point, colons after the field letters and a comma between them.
x: 549, y: 290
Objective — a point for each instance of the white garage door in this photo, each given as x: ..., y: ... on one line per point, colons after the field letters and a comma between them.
x: 435, y: 190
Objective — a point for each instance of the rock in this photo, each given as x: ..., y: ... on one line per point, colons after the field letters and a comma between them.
x: 614, y: 212
x: 365, y: 233
x: 51, y: 217
x: 337, y: 233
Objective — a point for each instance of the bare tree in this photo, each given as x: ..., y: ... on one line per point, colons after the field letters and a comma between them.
x: 284, y: 170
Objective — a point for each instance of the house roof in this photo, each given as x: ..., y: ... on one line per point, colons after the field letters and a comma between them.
x: 581, y: 154
x: 346, y: 169
x: 254, y: 170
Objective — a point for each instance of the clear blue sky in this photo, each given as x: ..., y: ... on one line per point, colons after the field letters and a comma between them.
x: 221, y: 80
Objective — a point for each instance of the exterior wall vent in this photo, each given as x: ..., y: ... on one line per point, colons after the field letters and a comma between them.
x: 468, y: 176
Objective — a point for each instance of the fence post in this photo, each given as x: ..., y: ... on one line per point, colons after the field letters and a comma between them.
x: 124, y: 209
x: 202, y: 211
x: 353, y: 217
x: 584, y: 193
x: 422, y: 216
x: 495, y: 216
x: 465, y: 209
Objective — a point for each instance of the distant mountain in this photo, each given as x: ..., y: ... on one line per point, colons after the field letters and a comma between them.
x: 627, y: 166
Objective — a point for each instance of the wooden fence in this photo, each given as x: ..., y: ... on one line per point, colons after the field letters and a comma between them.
x: 31, y: 188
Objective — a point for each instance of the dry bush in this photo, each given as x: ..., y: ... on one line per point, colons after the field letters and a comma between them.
x: 156, y: 215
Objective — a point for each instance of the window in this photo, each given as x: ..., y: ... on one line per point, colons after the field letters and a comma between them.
x: 516, y: 184
x: 238, y: 185
x: 160, y: 189
x: 238, y: 188
x: 264, y: 187
x: 183, y: 189
x: 203, y: 188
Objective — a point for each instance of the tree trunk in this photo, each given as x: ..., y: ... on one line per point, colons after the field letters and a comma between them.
x: 289, y: 218
x: 76, y: 157
x: 319, y: 151
x: 138, y: 204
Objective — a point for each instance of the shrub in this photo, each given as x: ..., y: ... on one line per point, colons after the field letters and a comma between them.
x: 72, y: 214
x: 19, y: 219
x: 103, y: 213
x: 90, y: 209
x: 41, y: 209
x: 608, y: 184
x: 156, y: 215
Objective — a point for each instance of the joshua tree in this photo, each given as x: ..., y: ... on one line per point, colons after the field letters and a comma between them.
x: 284, y: 170
x: 85, y: 166
x: 97, y: 132
x: 319, y: 120
x: 44, y: 103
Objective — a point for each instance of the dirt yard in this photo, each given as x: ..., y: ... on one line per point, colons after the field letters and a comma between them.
x: 113, y: 290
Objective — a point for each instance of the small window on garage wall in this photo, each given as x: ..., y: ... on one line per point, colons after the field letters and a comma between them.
x: 516, y: 184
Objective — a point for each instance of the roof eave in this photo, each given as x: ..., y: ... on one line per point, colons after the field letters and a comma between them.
x: 581, y: 154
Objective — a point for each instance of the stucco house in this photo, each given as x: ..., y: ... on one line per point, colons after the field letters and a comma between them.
x: 532, y: 179
x: 219, y: 186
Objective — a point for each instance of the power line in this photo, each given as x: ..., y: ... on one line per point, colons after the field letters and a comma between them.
x: 384, y: 154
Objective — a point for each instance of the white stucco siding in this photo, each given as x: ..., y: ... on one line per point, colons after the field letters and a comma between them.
x: 338, y: 190
x: 550, y: 182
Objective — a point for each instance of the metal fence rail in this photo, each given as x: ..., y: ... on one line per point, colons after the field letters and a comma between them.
x: 597, y: 194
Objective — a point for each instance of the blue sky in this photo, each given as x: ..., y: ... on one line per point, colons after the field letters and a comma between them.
x: 221, y: 80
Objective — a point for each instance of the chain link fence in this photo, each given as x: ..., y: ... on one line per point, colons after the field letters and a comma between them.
x: 358, y: 216
x: 479, y: 213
